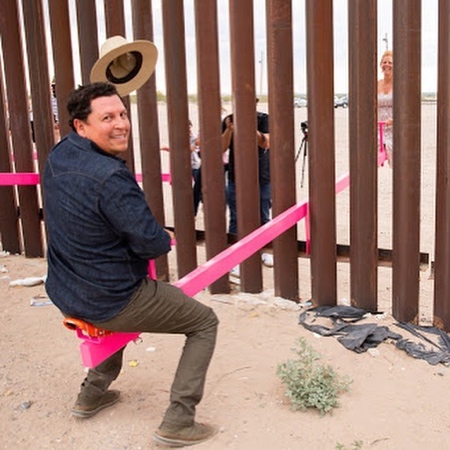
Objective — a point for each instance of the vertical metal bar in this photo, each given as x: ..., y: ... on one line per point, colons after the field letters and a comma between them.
x: 442, y: 245
x: 406, y: 176
x: 147, y: 106
x: 20, y: 126
x: 9, y: 223
x: 115, y: 25
x: 178, y: 116
x: 62, y: 57
x: 320, y: 70
x: 244, y: 134
x: 213, y: 178
x: 44, y: 121
x: 114, y: 18
x: 362, y: 20
x: 87, y: 36
x: 282, y: 141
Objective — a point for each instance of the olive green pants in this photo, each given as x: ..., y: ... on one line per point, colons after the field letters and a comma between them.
x: 158, y: 307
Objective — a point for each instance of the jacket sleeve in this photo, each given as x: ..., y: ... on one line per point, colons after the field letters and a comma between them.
x: 125, y: 209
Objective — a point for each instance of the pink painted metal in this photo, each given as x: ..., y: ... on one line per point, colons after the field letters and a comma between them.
x: 382, y: 155
x: 31, y: 178
x: 344, y: 181
x: 22, y: 178
x: 96, y: 350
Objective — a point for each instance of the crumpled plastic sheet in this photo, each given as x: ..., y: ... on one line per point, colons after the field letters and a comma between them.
x: 433, y: 357
x: 360, y: 337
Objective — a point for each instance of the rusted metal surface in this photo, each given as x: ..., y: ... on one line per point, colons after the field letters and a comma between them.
x: 25, y: 234
x: 9, y: 223
x: 114, y: 17
x: 62, y: 57
x: 406, y: 144
x: 282, y: 141
x: 244, y: 134
x: 209, y: 104
x: 87, y: 36
x: 178, y: 117
x: 115, y: 26
x: 19, y: 120
x: 442, y: 246
x: 319, y: 46
x: 362, y: 19
x: 44, y: 121
x: 149, y: 129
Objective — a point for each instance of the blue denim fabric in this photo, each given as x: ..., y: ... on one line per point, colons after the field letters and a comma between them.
x: 265, y: 203
x: 101, y: 232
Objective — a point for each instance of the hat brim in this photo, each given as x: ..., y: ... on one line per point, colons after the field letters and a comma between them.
x: 149, y: 54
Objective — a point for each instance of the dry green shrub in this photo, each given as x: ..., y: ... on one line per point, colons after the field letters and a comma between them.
x: 310, y: 384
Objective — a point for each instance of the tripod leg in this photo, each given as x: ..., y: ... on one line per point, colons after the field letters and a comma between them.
x: 299, y: 151
x: 304, y: 143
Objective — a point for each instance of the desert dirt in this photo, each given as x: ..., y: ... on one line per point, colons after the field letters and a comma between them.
x: 395, y: 402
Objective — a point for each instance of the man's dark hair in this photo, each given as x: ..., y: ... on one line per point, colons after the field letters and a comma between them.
x: 79, y: 103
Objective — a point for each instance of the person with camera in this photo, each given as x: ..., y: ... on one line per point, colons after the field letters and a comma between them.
x: 263, y: 146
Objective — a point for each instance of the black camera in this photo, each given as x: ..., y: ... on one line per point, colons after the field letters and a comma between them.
x: 304, y: 127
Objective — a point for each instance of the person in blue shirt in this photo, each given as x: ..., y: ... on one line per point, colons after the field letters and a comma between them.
x: 101, y: 235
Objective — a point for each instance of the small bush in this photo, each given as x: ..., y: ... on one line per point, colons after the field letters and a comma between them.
x: 310, y: 384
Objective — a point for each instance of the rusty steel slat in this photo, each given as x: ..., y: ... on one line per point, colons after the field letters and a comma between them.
x: 244, y: 134
x: 39, y: 79
x: 178, y: 116
x: 282, y: 141
x: 87, y: 36
x: 321, y: 158
x: 20, y: 126
x: 147, y: 107
x: 406, y: 144
x: 62, y: 59
x: 9, y: 222
x: 442, y: 246
x: 115, y: 25
x: 213, y: 178
x: 114, y: 17
x: 362, y: 20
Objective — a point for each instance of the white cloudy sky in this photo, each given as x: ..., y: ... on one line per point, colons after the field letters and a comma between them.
x: 340, y: 13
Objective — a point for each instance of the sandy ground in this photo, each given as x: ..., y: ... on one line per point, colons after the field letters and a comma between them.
x: 395, y: 402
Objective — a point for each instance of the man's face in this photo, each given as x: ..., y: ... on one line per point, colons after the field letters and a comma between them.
x: 107, y: 126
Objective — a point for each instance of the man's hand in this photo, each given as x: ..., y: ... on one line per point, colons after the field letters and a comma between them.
x: 229, y: 123
x: 170, y: 233
x: 226, y: 135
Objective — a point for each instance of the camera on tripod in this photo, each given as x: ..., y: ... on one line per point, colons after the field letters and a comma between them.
x: 303, y: 146
x: 304, y: 127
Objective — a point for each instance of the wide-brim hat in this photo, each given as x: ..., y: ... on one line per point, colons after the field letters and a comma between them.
x: 127, y: 65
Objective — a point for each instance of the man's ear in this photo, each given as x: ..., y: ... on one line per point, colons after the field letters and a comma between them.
x: 79, y: 126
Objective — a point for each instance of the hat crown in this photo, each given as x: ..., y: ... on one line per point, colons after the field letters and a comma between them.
x: 111, y: 44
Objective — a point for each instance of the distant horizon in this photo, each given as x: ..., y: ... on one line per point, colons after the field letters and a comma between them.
x: 340, y: 37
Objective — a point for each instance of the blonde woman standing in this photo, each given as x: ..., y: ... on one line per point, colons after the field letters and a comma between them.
x: 385, y: 112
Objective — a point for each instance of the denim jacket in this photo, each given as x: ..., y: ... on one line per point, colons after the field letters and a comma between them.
x: 101, y: 232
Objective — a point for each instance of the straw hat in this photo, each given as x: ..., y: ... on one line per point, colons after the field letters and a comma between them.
x: 127, y: 65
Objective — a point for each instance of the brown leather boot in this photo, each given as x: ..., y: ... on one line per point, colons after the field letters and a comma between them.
x: 184, y: 436
x: 89, y: 406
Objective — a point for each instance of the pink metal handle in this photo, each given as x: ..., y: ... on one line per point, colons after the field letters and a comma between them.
x: 382, y: 155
